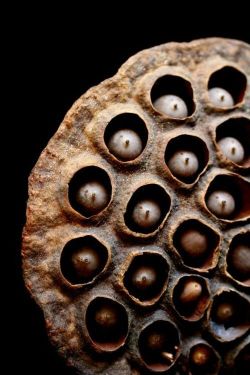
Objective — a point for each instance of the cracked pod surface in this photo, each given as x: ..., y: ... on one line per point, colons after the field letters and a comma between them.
x: 136, y: 245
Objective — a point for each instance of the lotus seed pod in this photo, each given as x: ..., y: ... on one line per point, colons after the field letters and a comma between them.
x: 136, y: 242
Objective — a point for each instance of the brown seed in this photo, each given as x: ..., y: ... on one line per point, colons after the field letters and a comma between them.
x: 144, y: 277
x: 92, y: 196
x: 191, y: 291
x: 172, y: 106
x: 183, y: 164
x: 240, y: 260
x: 232, y: 149
x: 125, y: 144
x: 220, y: 97
x: 156, y: 341
x: 106, y: 317
x: 146, y: 213
x: 221, y: 203
x: 193, y: 242
x: 76, y: 314
x: 86, y: 262
x: 200, y: 355
x: 225, y: 311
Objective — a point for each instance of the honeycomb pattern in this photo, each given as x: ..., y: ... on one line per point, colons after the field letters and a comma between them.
x: 137, y: 241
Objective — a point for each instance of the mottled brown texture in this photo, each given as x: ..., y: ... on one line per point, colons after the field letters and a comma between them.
x: 52, y: 222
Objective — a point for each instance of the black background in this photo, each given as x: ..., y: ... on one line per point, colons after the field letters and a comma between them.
x: 53, y: 58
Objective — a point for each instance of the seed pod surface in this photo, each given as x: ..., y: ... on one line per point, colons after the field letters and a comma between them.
x: 136, y: 243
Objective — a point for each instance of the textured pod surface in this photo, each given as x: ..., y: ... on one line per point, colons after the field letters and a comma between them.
x: 110, y: 308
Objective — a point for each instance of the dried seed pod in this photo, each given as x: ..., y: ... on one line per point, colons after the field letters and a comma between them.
x: 238, y: 358
x: 121, y: 204
x: 172, y: 96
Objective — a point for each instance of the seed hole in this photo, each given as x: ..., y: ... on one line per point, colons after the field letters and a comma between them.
x: 158, y: 345
x: 233, y: 139
x: 227, y: 87
x: 228, y: 197
x: 230, y: 314
x: 146, y: 276
x: 238, y: 257
x: 191, y: 297
x: 90, y: 191
x: 203, y: 359
x: 186, y: 157
x: 242, y: 362
x: 107, y: 323
x: 196, y: 243
x: 172, y: 96
x: 126, y: 136
x: 147, y: 208
x: 83, y: 259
